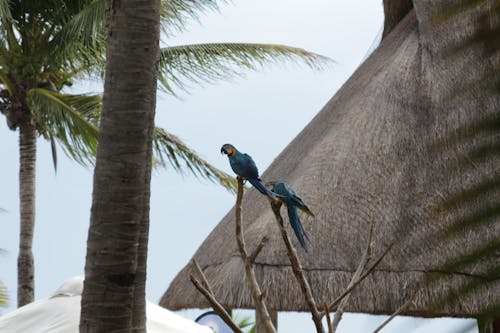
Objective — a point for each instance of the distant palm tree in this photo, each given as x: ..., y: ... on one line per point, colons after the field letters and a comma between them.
x: 45, y: 46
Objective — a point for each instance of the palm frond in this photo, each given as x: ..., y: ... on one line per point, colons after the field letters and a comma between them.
x: 3, y: 295
x: 82, y: 40
x: 175, y: 13
x: 53, y: 149
x: 6, y: 82
x: 5, y: 14
x: 168, y: 147
x: 71, y: 119
x: 485, y: 187
x: 8, y: 36
x: 475, y: 207
x: 200, y: 63
x: 472, y: 209
x: 245, y: 322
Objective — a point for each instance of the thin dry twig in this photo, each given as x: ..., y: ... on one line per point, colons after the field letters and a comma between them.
x: 364, y: 276
x: 248, y: 263
x: 361, y: 267
x: 397, y: 312
x: 203, y: 277
x: 206, y: 290
x: 297, y: 269
x: 257, y: 250
x: 328, y: 320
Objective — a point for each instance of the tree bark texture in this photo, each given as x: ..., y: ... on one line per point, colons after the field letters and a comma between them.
x: 259, y: 321
x: 27, y: 175
x: 394, y: 12
x: 261, y: 310
x: 139, y: 306
x: 122, y: 175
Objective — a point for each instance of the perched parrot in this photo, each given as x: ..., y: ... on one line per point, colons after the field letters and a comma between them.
x: 293, y: 202
x: 244, y: 166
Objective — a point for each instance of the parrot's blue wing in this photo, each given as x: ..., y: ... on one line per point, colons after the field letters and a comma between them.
x: 301, y: 205
x: 251, y: 167
x: 297, y: 227
x: 295, y: 199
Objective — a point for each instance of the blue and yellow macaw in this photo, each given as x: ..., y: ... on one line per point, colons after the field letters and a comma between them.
x: 293, y: 202
x: 244, y: 166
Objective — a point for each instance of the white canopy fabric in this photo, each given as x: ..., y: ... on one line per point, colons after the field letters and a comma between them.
x: 60, y: 313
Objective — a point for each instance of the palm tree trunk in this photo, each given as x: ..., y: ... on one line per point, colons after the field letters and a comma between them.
x: 139, y: 306
x: 121, y: 174
x: 27, y: 162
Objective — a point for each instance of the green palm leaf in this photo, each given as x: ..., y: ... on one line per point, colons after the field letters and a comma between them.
x: 74, y: 42
x: 70, y: 119
x: 245, y: 322
x: 8, y: 25
x: 217, y: 61
x: 475, y: 207
x: 73, y: 119
x: 5, y: 14
x: 82, y: 39
x: 175, y: 13
x: 168, y: 147
x: 5, y: 82
x: 3, y: 295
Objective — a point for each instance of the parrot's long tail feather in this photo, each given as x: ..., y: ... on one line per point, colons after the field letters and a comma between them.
x: 306, y: 210
x: 297, y: 227
x: 302, y: 206
x: 261, y: 188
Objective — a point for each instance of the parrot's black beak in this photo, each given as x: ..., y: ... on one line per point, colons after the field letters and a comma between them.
x: 222, y: 151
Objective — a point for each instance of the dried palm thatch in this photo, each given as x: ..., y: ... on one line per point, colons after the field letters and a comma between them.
x: 369, y: 151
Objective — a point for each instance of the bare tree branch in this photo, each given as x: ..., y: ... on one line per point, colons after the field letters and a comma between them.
x: 203, y: 277
x: 328, y: 320
x: 297, y: 269
x: 361, y: 267
x: 257, y: 250
x: 218, y: 308
x: 258, y: 297
x: 397, y: 312
x: 364, y: 276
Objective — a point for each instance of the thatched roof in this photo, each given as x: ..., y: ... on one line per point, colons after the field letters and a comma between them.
x: 366, y: 152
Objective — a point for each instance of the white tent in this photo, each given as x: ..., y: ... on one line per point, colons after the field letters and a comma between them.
x: 60, y: 313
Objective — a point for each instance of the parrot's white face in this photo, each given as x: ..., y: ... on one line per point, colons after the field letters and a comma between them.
x: 270, y: 185
x: 228, y: 149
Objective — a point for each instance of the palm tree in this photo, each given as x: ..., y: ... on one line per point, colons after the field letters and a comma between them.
x: 45, y: 46
x: 39, y: 56
x: 120, y: 200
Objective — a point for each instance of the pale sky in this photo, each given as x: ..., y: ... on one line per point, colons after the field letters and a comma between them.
x: 260, y: 114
